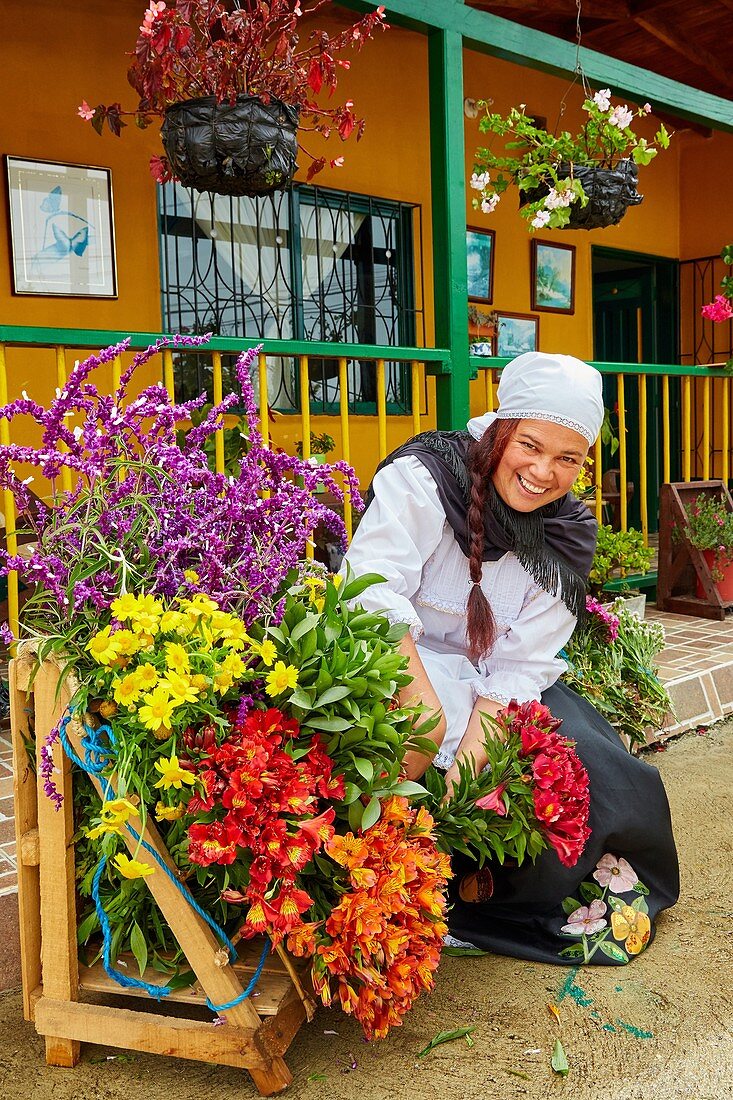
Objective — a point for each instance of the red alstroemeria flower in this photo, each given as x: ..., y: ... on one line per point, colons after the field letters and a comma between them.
x: 494, y: 800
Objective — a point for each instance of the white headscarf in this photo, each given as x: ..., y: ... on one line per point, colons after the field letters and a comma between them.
x: 540, y: 386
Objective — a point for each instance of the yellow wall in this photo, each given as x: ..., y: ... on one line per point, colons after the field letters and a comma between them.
x: 80, y: 54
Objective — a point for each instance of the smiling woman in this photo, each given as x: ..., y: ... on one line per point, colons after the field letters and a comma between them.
x: 485, y: 554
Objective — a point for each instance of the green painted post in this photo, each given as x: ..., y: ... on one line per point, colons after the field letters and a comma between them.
x: 448, y: 170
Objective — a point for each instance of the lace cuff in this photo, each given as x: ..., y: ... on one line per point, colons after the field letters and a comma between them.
x: 480, y: 691
x: 395, y: 617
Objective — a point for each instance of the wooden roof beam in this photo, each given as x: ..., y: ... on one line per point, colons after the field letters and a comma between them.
x: 686, y: 47
x: 523, y: 46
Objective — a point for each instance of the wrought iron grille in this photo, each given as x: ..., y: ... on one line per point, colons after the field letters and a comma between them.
x: 307, y: 264
x: 702, y: 341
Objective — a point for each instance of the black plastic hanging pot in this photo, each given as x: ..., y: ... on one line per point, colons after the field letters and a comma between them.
x: 610, y: 191
x: 242, y: 148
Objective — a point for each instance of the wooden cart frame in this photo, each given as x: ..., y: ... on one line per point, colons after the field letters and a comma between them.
x: 57, y: 991
x: 679, y: 561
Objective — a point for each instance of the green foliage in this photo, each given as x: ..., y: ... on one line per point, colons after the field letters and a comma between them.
x: 532, y: 158
x: 349, y: 674
x: 321, y: 444
x: 618, y: 553
x: 617, y: 676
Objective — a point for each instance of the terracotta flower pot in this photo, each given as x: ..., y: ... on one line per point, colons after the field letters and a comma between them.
x: 724, y: 587
x: 242, y: 148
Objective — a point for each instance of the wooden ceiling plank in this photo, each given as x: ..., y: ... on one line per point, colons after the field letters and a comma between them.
x: 676, y: 41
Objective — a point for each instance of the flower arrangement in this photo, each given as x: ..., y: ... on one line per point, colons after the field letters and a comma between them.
x: 242, y: 701
x: 710, y: 528
x: 617, y: 555
x: 533, y: 785
x: 543, y: 166
x: 192, y: 48
x: 610, y: 660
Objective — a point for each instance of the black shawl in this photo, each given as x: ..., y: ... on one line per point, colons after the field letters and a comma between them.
x: 554, y: 543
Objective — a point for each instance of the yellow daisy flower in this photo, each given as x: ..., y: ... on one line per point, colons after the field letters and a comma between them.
x: 101, y: 647
x: 124, y: 606
x: 132, y: 868
x: 171, y: 621
x: 107, y: 708
x: 104, y: 828
x: 180, y: 687
x: 280, y: 679
x: 191, y: 576
x: 149, y: 605
x: 119, y: 810
x: 145, y: 623
x: 176, y: 657
x: 125, y: 642
x: 200, y: 682
x: 148, y: 676
x: 128, y: 689
x: 169, y: 813
x: 223, y: 681
x: 155, y: 714
x: 234, y: 664
x: 172, y: 774
x: 267, y: 651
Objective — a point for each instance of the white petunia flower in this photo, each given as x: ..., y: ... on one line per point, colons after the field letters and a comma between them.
x: 602, y: 99
x: 480, y: 180
x: 621, y: 117
x: 541, y: 218
x: 489, y: 203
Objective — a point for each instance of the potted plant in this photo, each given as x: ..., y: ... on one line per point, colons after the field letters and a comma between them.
x: 618, y: 555
x: 582, y: 181
x: 235, y: 89
x: 710, y: 530
x: 483, y: 325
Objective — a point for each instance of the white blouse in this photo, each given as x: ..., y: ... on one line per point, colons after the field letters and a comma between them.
x: 405, y: 537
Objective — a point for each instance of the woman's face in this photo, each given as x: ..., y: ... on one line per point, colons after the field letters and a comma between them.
x: 539, y: 465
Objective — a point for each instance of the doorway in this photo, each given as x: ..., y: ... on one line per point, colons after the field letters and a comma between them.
x: 636, y: 320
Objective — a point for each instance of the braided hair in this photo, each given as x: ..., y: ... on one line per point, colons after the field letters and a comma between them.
x: 484, y: 455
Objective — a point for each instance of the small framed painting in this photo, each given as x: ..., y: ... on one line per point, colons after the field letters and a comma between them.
x: 518, y: 332
x: 61, y: 229
x: 480, y: 253
x: 553, y: 276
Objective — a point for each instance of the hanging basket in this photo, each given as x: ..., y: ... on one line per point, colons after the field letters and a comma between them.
x: 610, y: 191
x: 242, y: 148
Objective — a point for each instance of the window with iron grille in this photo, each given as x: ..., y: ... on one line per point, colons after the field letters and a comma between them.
x: 304, y: 264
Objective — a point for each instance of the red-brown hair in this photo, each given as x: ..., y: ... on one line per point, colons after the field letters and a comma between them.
x: 484, y: 455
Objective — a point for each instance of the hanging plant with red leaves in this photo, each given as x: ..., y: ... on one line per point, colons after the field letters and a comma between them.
x: 226, y: 48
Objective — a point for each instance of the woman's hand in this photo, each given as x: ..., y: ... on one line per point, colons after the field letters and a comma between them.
x: 471, y: 749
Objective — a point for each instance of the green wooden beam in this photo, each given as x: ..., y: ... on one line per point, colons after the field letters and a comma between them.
x: 448, y: 192
x: 510, y: 41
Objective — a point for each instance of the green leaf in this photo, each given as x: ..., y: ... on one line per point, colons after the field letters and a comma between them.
x: 590, y: 891
x: 351, y: 793
x: 641, y: 888
x: 332, y: 695
x: 446, y: 1037
x: 613, y: 951
x: 463, y: 952
x: 569, y: 905
x: 302, y: 698
x: 139, y: 947
x: 371, y: 813
x: 616, y: 904
x: 365, y: 768
x: 640, y: 905
x: 408, y: 789
x: 355, y: 588
x: 182, y: 980
x: 574, y: 951
x: 356, y: 812
x: 331, y: 725
x: 306, y: 624
x: 559, y: 1061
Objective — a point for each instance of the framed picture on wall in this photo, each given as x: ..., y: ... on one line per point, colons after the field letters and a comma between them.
x: 61, y: 229
x: 480, y: 252
x: 517, y: 333
x: 553, y: 276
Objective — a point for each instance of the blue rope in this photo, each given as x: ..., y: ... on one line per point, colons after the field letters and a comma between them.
x: 156, y: 991
x: 96, y: 758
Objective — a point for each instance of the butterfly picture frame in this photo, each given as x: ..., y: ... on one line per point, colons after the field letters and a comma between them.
x: 62, y: 236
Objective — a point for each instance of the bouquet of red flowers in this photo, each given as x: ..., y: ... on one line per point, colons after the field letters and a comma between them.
x: 533, y: 791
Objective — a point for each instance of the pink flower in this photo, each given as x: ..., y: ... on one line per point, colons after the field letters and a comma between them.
x: 602, y: 99
x: 718, y: 311
x: 338, y: 162
x: 494, y: 800
x: 647, y: 108
x: 621, y: 117
x: 616, y: 873
x: 85, y: 111
x: 586, y: 919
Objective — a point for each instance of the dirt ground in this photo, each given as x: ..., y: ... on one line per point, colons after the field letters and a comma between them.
x: 661, y: 1028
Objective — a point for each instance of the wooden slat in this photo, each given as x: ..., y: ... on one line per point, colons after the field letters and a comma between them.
x: 150, y: 1032
x: 345, y: 442
x: 57, y: 884
x: 26, y: 822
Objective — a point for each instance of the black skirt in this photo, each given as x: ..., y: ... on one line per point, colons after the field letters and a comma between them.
x: 603, y: 909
